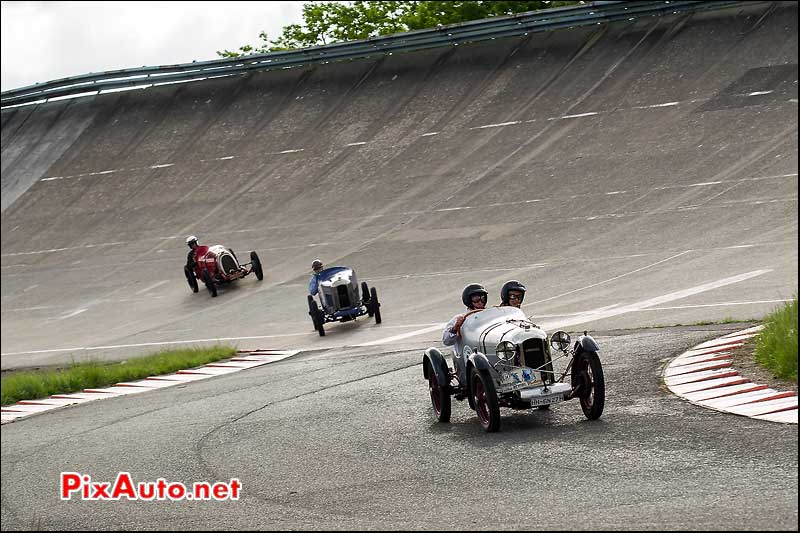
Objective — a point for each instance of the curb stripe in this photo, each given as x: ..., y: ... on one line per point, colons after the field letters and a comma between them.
x: 703, y: 375
x: 247, y: 359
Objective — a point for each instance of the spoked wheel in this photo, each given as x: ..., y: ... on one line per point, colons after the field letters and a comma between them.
x: 316, y: 316
x: 210, y: 284
x: 190, y: 278
x: 257, y: 266
x: 375, y: 305
x: 587, y: 375
x: 484, y: 398
x: 440, y: 396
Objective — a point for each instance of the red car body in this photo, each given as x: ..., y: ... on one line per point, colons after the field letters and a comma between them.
x: 215, y: 265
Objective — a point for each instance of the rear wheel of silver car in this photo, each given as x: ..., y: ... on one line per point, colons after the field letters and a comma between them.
x: 210, y: 284
x: 587, y: 375
x: 440, y: 397
x: 257, y: 266
x: 484, y: 398
x: 375, y: 305
x: 190, y: 278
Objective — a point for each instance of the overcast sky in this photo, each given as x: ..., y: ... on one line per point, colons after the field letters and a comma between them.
x: 44, y: 41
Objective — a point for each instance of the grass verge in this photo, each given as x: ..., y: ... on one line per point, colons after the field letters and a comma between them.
x: 35, y: 384
x: 776, y: 348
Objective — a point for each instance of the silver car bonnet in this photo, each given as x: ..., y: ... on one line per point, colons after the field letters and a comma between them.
x: 484, y: 330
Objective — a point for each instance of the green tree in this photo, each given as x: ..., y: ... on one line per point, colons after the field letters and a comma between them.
x: 330, y: 22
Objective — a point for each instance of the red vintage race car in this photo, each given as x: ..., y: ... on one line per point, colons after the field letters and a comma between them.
x: 216, y: 265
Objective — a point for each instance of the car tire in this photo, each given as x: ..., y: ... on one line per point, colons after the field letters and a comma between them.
x: 365, y: 294
x: 190, y: 278
x: 257, y: 266
x: 210, y: 284
x: 440, y: 396
x: 375, y: 305
x: 587, y: 373
x: 484, y: 397
x: 317, y: 316
x: 320, y: 322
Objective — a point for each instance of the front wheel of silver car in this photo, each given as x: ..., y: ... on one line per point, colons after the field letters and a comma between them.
x: 484, y: 398
x: 587, y: 376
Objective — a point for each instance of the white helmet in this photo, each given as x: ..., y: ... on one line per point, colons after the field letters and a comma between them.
x: 191, y: 239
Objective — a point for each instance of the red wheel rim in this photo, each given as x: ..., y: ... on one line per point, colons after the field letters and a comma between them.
x: 436, y: 395
x: 587, y: 400
x: 481, y: 403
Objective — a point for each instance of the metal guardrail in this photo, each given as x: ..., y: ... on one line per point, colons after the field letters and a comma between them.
x: 498, y: 27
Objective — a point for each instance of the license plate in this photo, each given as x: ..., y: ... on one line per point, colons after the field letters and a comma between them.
x: 547, y: 400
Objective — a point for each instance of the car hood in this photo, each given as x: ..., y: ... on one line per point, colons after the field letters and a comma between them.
x: 483, y: 330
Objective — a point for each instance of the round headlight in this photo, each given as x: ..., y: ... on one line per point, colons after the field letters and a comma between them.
x: 560, y: 340
x: 506, y: 350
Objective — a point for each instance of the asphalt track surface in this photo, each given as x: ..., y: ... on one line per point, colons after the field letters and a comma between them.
x: 632, y: 175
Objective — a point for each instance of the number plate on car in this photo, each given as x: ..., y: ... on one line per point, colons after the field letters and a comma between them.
x: 547, y: 400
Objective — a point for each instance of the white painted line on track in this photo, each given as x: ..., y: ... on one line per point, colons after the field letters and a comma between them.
x: 500, y: 125
x: 153, y: 286
x: 658, y: 300
x: 667, y: 104
x: 610, y: 279
x: 435, y: 327
x: 72, y: 314
x: 457, y: 208
x: 579, y: 115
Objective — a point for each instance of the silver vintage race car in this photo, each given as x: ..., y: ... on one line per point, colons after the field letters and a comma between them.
x: 339, y: 299
x: 506, y: 361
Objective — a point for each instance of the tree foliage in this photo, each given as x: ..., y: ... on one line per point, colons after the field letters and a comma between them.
x: 330, y: 22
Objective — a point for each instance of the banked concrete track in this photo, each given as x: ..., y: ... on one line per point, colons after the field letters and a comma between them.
x: 633, y: 174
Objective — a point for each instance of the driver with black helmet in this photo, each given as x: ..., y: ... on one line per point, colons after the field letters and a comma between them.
x: 512, y: 293
x: 474, y: 296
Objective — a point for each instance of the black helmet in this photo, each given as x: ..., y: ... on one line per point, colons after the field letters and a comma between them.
x: 190, y: 240
x: 316, y: 265
x: 511, y: 285
x: 470, y: 290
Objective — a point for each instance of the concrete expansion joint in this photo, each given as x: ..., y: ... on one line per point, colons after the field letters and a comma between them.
x: 704, y: 375
x: 244, y: 359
